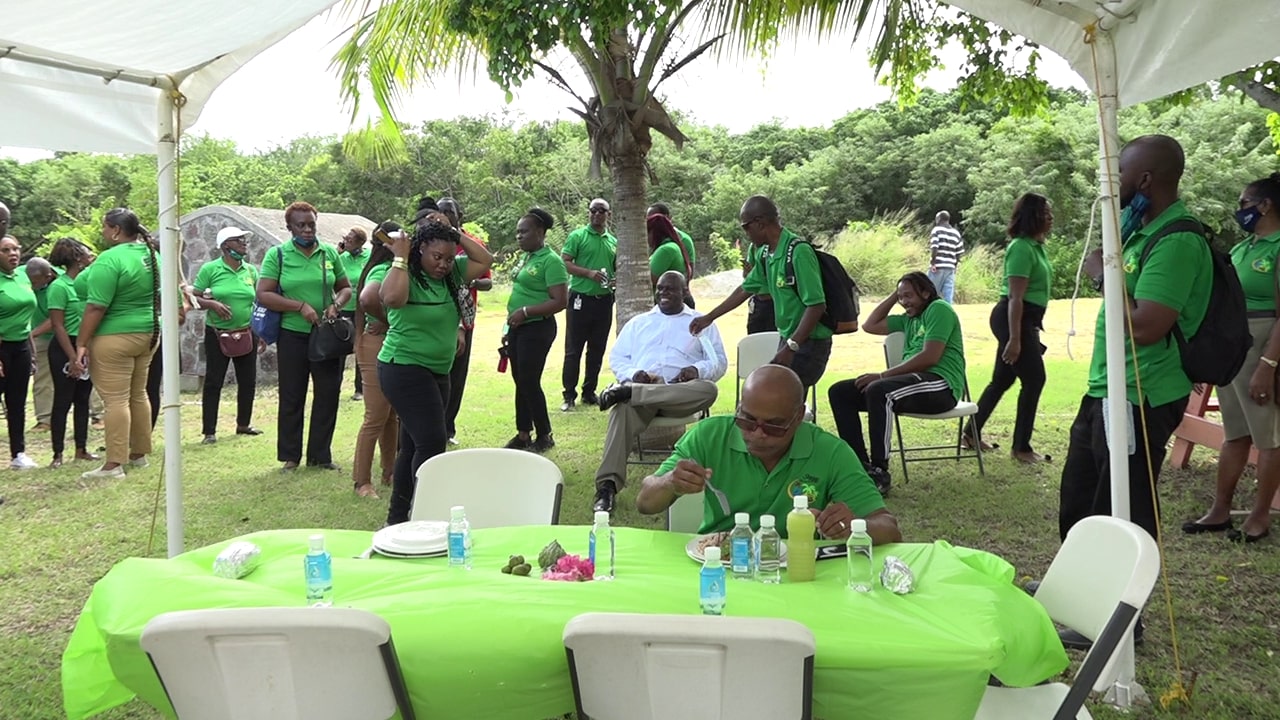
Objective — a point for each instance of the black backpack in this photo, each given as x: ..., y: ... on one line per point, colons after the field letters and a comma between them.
x: 840, y: 290
x: 1217, y: 351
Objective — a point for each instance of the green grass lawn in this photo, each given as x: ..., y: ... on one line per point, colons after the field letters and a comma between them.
x: 60, y: 534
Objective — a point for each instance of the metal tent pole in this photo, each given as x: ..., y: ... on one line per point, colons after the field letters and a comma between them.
x: 170, y: 248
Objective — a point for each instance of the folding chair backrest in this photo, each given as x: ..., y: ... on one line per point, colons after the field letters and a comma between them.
x: 753, y: 351
x: 1105, y: 569
x: 685, y: 514
x: 893, y: 348
x: 689, y: 667
x: 498, y: 487
x: 277, y: 663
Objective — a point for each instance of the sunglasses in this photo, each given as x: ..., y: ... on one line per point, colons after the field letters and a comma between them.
x: 598, y: 211
x: 749, y: 424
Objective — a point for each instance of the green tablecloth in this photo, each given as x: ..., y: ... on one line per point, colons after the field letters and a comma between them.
x: 481, y: 644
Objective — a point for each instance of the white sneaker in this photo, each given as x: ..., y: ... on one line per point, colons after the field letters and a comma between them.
x: 453, y: 441
x: 22, y: 462
x: 115, y: 472
x: 139, y: 462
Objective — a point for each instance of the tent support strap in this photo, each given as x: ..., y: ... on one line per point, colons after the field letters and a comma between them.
x: 170, y: 255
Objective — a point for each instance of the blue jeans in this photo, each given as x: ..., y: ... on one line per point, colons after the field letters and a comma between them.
x: 944, y: 279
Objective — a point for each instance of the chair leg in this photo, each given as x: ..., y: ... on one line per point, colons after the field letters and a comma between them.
x: 977, y: 432
x: 902, y: 451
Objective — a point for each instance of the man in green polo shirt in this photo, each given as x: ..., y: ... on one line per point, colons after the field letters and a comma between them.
x: 805, y: 344
x: 590, y: 255
x: 758, y: 459
x: 41, y: 275
x: 354, y: 257
x: 663, y: 209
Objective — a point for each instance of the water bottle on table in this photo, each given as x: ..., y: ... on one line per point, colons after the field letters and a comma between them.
x: 601, y: 532
x: 740, y: 551
x: 861, y: 567
x: 712, y: 586
x: 459, y: 538
x: 319, y: 570
x: 768, y: 547
x: 801, y: 551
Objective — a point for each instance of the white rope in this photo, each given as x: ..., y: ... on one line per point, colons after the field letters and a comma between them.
x: 1075, y: 294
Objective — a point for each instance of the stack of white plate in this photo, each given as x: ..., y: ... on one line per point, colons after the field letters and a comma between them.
x: 413, y: 539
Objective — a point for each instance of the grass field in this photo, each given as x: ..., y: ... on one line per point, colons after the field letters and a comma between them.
x: 60, y: 534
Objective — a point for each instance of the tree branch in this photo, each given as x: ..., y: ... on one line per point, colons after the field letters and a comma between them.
x: 675, y: 67
x: 559, y: 80
x: 1262, y: 94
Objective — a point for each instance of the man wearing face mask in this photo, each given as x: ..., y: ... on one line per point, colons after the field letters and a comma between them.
x: 1171, y: 284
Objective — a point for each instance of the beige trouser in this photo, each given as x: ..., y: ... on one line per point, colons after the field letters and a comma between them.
x: 380, y: 426
x: 42, y: 383
x: 118, y: 365
x: 629, y: 419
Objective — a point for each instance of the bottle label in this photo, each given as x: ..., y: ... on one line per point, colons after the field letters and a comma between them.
x: 591, y: 549
x: 740, y: 555
x: 457, y: 545
x: 713, y: 585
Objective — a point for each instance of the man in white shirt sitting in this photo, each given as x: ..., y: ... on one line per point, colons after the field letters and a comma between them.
x: 661, y: 370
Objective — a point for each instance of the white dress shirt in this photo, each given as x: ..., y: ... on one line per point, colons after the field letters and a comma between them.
x: 661, y: 345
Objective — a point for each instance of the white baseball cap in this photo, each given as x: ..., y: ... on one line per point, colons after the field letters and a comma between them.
x: 230, y: 233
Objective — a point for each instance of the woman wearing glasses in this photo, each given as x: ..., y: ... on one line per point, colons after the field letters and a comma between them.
x: 1250, y: 415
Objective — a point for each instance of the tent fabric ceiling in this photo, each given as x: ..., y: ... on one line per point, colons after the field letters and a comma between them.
x: 199, y: 43
x: 1162, y: 46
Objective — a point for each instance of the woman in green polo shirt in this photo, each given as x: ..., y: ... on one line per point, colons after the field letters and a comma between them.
x: 1250, y: 415
x: 119, y: 332
x: 17, y: 306
x: 380, y: 427
x: 225, y: 288
x: 424, y: 317
x: 667, y: 253
x: 1016, y: 322
x: 304, y: 280
x: 539, y: 291
x: 70, y: 388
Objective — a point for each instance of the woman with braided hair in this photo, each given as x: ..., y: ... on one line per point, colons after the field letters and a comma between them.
x: 119, y: 332
x: 421, y: 294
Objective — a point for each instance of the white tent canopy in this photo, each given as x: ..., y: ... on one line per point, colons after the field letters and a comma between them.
x: 125, y: 76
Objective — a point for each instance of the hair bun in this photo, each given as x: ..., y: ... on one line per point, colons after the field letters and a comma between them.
x: 544, y: 218
x: 426, y: 202
x: 389, y: 227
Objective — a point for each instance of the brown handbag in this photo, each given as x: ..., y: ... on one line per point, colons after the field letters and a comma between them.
x: 235, y: 343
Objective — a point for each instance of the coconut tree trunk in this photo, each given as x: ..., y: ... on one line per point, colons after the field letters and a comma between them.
x: 630, y: 185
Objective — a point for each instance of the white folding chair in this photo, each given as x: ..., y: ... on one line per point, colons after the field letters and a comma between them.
x: 893, y: 349
x: 269, y: 663
x: 759, y: 349
x: 659, y: 422
x: 498, y: 487
x: 685, y: 514
x: 689, y: 667
x: 1098, y: 583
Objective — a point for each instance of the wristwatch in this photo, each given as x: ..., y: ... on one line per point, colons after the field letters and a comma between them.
x: 792, y: 345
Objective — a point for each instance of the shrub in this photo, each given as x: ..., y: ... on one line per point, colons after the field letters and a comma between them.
x: 980, y: 275
x: 877, y: 253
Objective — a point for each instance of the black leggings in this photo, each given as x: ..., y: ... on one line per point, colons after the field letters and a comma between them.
x: 215, y: 374
x: 68, y: 393
x: 419, y: 401
x: 527, y: 348
x: 1029, y: 369
x: 16, y: 356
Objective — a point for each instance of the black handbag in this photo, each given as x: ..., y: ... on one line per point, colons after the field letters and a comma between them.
x: 332, y: 338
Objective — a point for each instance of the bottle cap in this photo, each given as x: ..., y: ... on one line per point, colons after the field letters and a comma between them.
x: 801, y: 502
x: 457, y: 512
x: 602, y: 517
x: 742, y: 518
x: 858, y: 526
x: 766, y: 521
x: 316, y: 542
x: 711, y: 554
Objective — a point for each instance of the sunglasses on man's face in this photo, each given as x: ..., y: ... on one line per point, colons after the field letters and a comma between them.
x: 749, y: 424
x: 598, y: 211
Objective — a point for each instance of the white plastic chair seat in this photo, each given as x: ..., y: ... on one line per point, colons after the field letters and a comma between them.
x: 964, y: 408
x: 498, y: 487
x: 1032, y: 703
x: 685, y: 514
x: 662, y: 421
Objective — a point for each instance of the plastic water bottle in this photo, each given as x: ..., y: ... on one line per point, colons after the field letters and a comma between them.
x: 861, y: 567
x: 801, y: 552
x: 712, y: 586
x: 601, y: 531
x: 318, y: 565
x: 768, y: 547
x: 459, y: 538
x: 740, y: 550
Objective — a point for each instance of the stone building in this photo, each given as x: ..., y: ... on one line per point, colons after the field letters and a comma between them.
x: 199, y: 235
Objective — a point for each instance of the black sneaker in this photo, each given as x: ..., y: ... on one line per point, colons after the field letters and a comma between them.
x: 516, y: 443
x: 590, y: 399
x: 613, y: 395
x: 543, y: 444
x: 880, y: 476
x: 567, y: 405
x: 209, y: 440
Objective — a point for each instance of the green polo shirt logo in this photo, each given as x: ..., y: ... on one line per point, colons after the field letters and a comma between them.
x: 806, y: 486
x: 1263, y: 265
x: 1130, y: 265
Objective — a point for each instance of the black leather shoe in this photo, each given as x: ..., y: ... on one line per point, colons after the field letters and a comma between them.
x: 590, y: 399
x: 1191, y: 527
x: 880, y: 477
x: 566, y: 406
x: 605, y: 494
x: 516, y: 443
x: 1240, y: 536
x: 250, y: 430
x: 613, y: 395
x: 543, y: 444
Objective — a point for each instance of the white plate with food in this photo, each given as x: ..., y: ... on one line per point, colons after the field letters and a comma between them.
x: 415, y: 538
x: 721, y: 539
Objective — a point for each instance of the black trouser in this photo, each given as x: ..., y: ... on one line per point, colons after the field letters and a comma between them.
x: 1086, y: 474
x: 215, y: 374
x: 295, y: 369
x: 587, y: 325
x: 760, y: 315
x: 810, y: 361
x: 419, y: 401
x: 155, y: 376
x: 16, y: 356
x: 527, y: 348
x: 457, y: 384
x: 351, y: 315
x: 1029, y: 370
x: 924, y: 393
x: 68, y: 393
